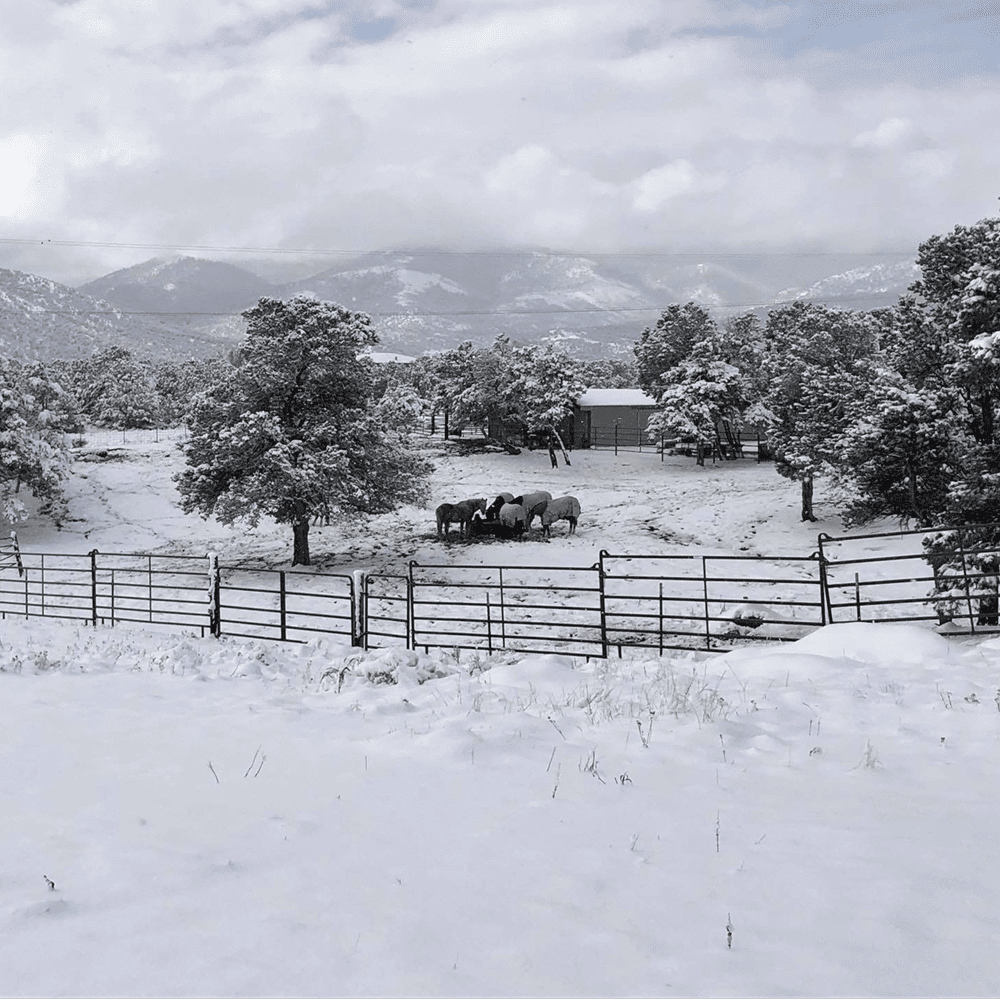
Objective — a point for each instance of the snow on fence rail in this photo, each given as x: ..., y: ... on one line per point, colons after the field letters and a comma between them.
x: 675, y: 601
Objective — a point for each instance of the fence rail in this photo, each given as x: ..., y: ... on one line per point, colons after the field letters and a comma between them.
x: 673, y: 601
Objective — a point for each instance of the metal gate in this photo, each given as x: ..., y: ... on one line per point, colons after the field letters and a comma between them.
x: 709, y: 602
x: 539, y: 609
x: 385, y: 616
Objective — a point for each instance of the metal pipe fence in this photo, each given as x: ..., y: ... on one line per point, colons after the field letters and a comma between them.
x: 671, y: 601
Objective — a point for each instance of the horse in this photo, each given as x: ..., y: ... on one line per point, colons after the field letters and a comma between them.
x: 449, y: 513
x: 563, y: 509
x: 493, y: 511
x: 533, y: 504
x: 513, y: 519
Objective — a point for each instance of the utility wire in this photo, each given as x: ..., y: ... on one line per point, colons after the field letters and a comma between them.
x: 109, y: 245
x: 465, y: 313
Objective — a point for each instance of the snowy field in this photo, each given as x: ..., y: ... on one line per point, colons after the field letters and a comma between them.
x: 188, y: 816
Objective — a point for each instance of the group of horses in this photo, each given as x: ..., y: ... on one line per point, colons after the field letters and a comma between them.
x: 508, y: 516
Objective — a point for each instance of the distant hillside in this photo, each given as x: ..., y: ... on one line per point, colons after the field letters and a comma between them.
x: 42, y: 319
x: 873, y: 287
x: 180, y: 285
x: 433, y: 300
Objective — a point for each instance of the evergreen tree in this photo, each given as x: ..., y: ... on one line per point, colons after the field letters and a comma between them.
x: 814, y: 363
x: 662, y: 347
x: 35, y: 415
x: 292, y: 431
x: 115, y: 389
x: 543, y: 388
x: 702, y: 397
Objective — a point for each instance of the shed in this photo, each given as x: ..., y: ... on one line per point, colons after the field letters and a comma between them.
x: 601, y: 411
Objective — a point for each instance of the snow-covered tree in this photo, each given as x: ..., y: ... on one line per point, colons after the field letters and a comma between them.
x: 115, y: 389
x: 35, y: 414
x: 702, y: 397
x: 293, y: 431
x: 177, y: 383
x: 813, y: 365
x: 542, y: 390
x: 897, y: 454
x: 662, y: 347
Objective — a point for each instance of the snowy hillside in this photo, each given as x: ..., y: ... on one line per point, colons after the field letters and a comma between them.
x: 43, y: 319
x: 859, y: 288
x: 180, y: 285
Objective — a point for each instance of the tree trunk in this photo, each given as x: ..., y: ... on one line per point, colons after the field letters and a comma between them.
x: 807, y: 499
x: 562, y: 447
x: 300, y: 532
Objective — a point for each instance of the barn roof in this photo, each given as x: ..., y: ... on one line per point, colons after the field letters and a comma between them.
x: 615, y: 397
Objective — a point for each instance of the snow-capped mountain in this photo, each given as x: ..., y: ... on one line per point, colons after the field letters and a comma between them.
x: 860, y: 287
x: 43, y: 319
x: 180, y: 285
x: 427, y: 300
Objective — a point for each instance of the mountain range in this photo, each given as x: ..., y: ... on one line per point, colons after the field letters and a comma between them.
x: 427, y: 300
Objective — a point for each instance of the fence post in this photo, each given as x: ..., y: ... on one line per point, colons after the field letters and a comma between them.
x: 363, y: 622
x: 214, y: 594
x: 281, y: 602
x: 704, y: 581
x: 359, y: 607
x: 42, y: 583
x: 661, y: 619
x: 93, y: 586
x: 616, y: 439
x: 149, y: 583
x: 602, y: 555
x: 411, y: 622
x: 824, y: 585
x: 112, y: 613
x: 965, y: 576
x: 857, y: 595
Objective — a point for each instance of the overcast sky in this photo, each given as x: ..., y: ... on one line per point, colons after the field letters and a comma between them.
x: 583, y: 125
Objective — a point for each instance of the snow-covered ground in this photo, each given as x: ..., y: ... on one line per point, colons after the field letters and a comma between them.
x: 187, y: 816
x: 122, y: 496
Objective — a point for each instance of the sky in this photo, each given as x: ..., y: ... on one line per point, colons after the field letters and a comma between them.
x: 588, y: 126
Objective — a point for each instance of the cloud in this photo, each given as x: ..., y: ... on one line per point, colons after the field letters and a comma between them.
x: 885, y: 134
x: 469, y: 123
x: 657, y: 187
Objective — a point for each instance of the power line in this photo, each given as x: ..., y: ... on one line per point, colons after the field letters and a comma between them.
x: 465, y: 313
x: 321, y: 252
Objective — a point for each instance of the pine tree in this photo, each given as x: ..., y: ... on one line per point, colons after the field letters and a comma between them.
x: 814, y: 363
x: 543, y: 388
x: 662, y: 347
x: 116, y: 390
x: 35, y: 414
x: 292, y: 431
x: 702, y: 397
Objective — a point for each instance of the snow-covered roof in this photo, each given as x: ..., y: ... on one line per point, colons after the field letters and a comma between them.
x: 615, y: 397
x: 384, y: 359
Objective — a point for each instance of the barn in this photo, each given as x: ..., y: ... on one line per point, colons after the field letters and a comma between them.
x: 604, y: 416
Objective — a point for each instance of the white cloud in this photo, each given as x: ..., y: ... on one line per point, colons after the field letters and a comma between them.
x: 600, y: 125
x: 885, y: 134
x: 657, y: 187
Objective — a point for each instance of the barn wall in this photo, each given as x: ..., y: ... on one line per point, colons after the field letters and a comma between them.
x: 595, y: 425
